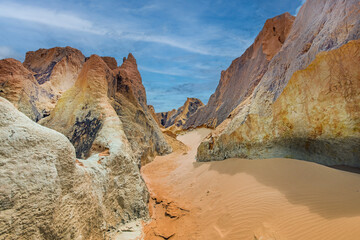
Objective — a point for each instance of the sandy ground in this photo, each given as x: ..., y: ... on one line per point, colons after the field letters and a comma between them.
x: 249, y: 199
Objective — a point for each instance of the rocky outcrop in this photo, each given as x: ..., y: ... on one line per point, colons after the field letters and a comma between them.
x: 175, y: 119
x: 55, y: 69
x: 35, y: 86
x: 81, y: 112
x: 271, y: 130
x: 244, y: 74
x: 47, y: 193
x: 18, y: 85
x: 109, y: 135
x: 99, y: 92
x: 129, y: 81
x: 163, y: 117
x: 153, y: 114
x: 110, y: 62
x: 129, y: 102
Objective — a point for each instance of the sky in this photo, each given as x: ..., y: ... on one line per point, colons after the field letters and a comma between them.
x: 181, y: 47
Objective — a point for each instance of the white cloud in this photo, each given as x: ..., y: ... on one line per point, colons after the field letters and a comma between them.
x: 132, y: 30
x: 169, y: 41
x: 171, y: 72
x: 47, y: 17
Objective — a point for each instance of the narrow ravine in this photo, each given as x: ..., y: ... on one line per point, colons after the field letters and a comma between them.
x: 248, y: 199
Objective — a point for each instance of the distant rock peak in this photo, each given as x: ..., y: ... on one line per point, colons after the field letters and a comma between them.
x: 129, y: 59
x: 175, y: 119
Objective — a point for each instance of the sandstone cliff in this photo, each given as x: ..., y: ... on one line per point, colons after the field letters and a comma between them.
x: 47, y: 193
x: 129, y: 102
x: 320, y: 26
x: 56, y: 69
x: 80, y: 112
x: 35, y: 86
x: 174, y: 120
x: 105, y: 116
x: 110, y: 61
x: 153, y: 114
x: 244, y: 73
x: 129, y: 81
x: 18, y: 85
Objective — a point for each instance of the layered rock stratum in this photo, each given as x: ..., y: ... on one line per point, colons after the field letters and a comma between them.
x: 244, y: 74
x: 319, y: 120
x: 174, y: 120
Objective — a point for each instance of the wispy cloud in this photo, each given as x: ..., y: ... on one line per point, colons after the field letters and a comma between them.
x: 47, y: 17
x: 171, y: 71
x: 71, y: 21
x: 184, y: 44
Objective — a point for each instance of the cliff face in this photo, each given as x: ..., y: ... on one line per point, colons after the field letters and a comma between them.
x: 110, y: 62
x: 35, y: 86
x: 255, y: 128
x: 129, y: 81
x: 58, y: 196
x: 130, y: 104
x: 181, y: 115
x: 105, y: 117
x: 244, y: 73
x: 84, y: 114
x: 80, y: 112
x: 19, y: 86
x: 153, y: 114
x: 56, y: 69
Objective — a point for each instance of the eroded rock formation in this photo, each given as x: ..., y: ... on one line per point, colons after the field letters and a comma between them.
x: 174, y: 120
x: 258, y: 128
x: 18, y: 85
x: 104, y: 116
x: 110, y: 61
x: 35, y: 86
x: 244, y: 74
x: 56, y: 69
x: 81, y: 112
x: 153, y: 114
x: 47, y: 193
x: 129, y: 81
x: 130, y: 104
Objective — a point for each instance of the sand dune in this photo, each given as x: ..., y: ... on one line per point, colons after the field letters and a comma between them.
x: 249, y: 199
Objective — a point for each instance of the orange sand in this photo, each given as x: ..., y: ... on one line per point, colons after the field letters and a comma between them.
x: 249, y: 199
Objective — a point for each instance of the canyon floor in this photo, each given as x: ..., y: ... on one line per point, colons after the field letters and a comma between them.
x: 248, y: 199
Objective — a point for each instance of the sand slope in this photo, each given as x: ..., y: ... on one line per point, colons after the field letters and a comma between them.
x: 249, y: 199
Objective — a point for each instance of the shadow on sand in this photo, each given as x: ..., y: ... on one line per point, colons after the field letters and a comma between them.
x: 326, y: 191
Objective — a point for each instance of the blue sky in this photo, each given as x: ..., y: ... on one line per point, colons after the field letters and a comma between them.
x: 180, y: 46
